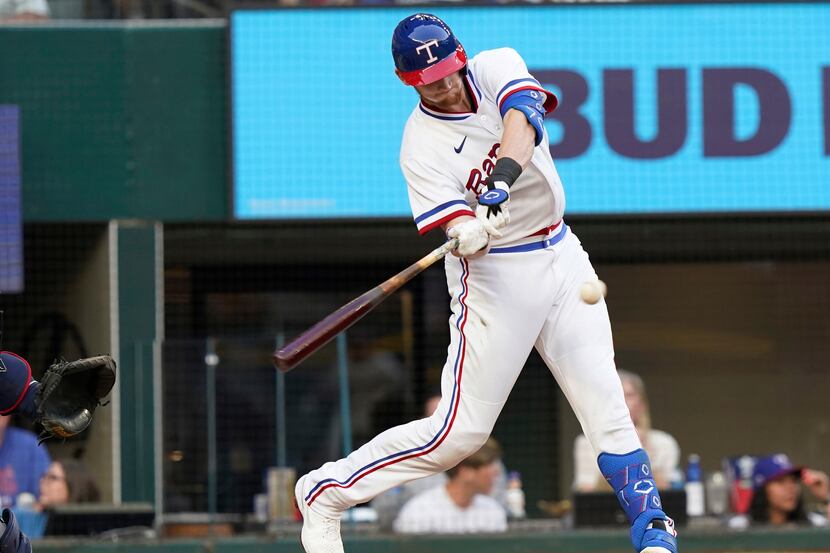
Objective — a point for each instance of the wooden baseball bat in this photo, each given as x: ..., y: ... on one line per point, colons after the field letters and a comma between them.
x: 322, y: 333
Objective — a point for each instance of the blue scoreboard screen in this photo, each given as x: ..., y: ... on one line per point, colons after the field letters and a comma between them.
x: 682, y: 108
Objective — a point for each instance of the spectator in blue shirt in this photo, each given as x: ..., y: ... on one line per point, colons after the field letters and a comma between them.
x: 22, y: 463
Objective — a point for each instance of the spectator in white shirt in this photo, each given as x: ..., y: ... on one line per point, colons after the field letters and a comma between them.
x: 662, y: 448
x: 462, y: 505
x: 389, y: 504
x: 22, y: 11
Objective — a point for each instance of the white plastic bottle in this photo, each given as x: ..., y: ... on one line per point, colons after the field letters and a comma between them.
x: 695, y: 505
x: 515, y: 496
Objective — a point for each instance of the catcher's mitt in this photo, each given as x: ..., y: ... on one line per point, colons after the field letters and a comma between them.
x: 69, y: 393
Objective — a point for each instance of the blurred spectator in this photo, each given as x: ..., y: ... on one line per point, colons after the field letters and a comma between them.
x: 67, y: 481
x: 64, y: 482
x: 389, y: 504
x: 662, y: 448
x: 461, y: 506
x: 778, y: 497
x: 21, y: 11
x: 22, y: 462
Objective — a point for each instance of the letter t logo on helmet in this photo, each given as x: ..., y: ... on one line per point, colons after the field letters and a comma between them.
x: 427, y: 47
x: 425, y: 50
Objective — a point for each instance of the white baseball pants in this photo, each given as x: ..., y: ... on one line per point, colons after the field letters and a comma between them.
x: 503, y: 304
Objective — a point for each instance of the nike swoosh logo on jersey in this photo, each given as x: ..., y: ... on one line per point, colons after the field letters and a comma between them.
x: 461, y: 147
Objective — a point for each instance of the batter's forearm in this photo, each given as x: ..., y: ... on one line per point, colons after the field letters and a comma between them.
x: 518, y: 138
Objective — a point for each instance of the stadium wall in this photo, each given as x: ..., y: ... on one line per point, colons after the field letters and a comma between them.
x: 119, y: 120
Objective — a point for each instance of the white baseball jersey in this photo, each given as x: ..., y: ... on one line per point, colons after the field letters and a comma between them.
x: 446, y: 157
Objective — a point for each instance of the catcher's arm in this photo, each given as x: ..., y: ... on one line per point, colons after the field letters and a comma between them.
x: 12, y: 539
x: 64, y: 400
x: 17, y: 389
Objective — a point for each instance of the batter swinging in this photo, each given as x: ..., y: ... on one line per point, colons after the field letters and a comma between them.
x: 475, y: 155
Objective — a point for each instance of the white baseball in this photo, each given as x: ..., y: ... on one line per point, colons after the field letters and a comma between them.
x: 593, y: 291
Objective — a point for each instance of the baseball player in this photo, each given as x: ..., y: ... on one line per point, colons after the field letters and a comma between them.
x: 476, y: 159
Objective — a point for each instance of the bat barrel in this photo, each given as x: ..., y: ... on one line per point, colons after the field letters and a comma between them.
x: 323, y: 332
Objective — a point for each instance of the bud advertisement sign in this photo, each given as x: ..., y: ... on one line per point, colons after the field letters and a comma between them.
x: 664, y: 108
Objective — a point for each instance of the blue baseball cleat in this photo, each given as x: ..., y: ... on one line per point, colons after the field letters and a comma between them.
x: 659, y: 537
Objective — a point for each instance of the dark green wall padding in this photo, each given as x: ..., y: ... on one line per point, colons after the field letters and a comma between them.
x: 120, y: 120
x: 138, y: 332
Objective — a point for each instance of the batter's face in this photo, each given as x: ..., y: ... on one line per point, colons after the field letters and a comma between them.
x: 446, y: 93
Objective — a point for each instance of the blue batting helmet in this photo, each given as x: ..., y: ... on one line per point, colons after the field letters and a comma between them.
x: 425, y: 50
